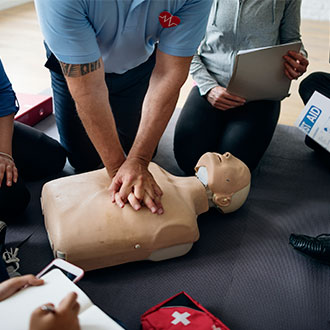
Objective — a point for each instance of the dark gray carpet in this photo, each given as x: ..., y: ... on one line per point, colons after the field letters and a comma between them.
x: 242, y: 269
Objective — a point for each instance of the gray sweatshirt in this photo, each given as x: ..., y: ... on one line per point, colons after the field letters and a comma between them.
x: 241, y: 24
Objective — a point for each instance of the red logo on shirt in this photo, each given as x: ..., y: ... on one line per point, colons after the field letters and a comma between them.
x: 167, y: 20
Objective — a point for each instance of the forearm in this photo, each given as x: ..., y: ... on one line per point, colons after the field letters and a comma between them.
x: 290, y: 24
x: 201, y: 75
x: 159, y: 103
x: 96, y: 115
x: 6, y: 133
x: 90, y: 94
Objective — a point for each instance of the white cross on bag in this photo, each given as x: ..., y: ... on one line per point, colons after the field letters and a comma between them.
x: 178, y: 317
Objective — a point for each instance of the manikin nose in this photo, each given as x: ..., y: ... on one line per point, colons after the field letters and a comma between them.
x: 227, y: 155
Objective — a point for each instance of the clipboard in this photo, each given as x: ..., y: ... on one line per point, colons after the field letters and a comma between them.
x: 258, y: 73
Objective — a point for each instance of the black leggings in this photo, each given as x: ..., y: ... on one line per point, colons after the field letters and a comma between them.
x: 317, y: 81
x: 36, y: 156
x: 244, y: 131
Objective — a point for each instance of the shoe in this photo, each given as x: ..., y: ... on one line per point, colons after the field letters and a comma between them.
x: 10, y: 257
x: 316, y: 247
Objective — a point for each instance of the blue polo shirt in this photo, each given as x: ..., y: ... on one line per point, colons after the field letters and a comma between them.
x: 7, y: 96
x: 123, y: 32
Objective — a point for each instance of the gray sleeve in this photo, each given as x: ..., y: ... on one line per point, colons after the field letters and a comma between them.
x: 290, y: 24
x: 201, y: 76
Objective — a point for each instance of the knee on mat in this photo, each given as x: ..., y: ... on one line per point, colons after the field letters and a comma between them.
x: 48, y: 160
x: 185, y: 161
x: 84, y: 164
x: 307, y: 86
x: 13, y: 200
x: 56, y: 157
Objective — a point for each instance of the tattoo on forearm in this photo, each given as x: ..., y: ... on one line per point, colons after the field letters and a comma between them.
x: 78, y: 70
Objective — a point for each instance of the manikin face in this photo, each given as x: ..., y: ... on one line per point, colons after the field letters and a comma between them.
x: 226, y: 175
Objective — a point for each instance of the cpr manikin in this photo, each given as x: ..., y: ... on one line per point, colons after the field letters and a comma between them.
x: 87, y: 229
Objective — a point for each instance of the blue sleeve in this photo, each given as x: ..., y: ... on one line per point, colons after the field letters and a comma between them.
x: 8, y: 103
x: 59, y: 17
x: 186, y: 37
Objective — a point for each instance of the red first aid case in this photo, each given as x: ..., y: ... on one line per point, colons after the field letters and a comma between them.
x: 180, y: 312
x: 33, y: 108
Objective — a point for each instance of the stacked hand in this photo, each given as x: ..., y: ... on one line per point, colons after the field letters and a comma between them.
x: 133, y: 183
x: 65, y: 316
x: 8, y: 168
x: 295, y: 65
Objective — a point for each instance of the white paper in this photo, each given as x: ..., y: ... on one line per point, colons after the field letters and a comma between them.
x: 15, y: 311
x: 314, y: 120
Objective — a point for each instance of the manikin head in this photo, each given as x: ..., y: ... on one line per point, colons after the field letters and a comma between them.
x: 226, y: 179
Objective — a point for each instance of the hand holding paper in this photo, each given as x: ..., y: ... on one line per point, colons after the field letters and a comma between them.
x: 295, y: 64
x: 221, y: 99
x: 11, y: 286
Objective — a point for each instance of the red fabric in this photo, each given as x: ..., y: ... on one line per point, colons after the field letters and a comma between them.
x: 162, y: 317
x: 33, y: 108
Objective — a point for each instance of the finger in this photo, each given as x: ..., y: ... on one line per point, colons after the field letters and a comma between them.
x: 295, y: 64
x: 292, y: 73
x: 135, y: 203
x: 298, y: 56
x: 155, y: 202
x: 76, y: 308
x: 13, y: 285
x: 230, y: 102
x: 138, y: 191
x: 15, y: 177
x: 297, y: 68
x: 2, y: 172
x: 158, y: 191
x: 119, y: 201
x: 223, y: 107
x: 288, y: 74
x: 68, y: 303
x: 113, y: 189
x: 21, y: 281
x: 160, y: 209
x: 150, y: 204
x: 33, y: 280
x: 9, y: 175
x: 234, y: 98
x: 125, y: 189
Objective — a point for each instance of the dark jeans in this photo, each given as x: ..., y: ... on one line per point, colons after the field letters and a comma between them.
x: 3, y: 271
x: 317, y: 81
x: 36, y: 156
x: 126, y: 95
x: 244, y: 131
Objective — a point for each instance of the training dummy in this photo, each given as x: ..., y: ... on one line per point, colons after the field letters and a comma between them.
x: 87, y: 229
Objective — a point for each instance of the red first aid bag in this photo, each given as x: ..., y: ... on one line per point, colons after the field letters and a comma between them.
x: 180, y: 312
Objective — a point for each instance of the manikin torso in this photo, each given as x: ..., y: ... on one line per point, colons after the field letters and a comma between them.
x: 87, y: 229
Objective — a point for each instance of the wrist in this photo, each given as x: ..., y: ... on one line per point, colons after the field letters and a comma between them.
x: 7, y: 155
x: 113, y: 166
x: 139, y: 159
